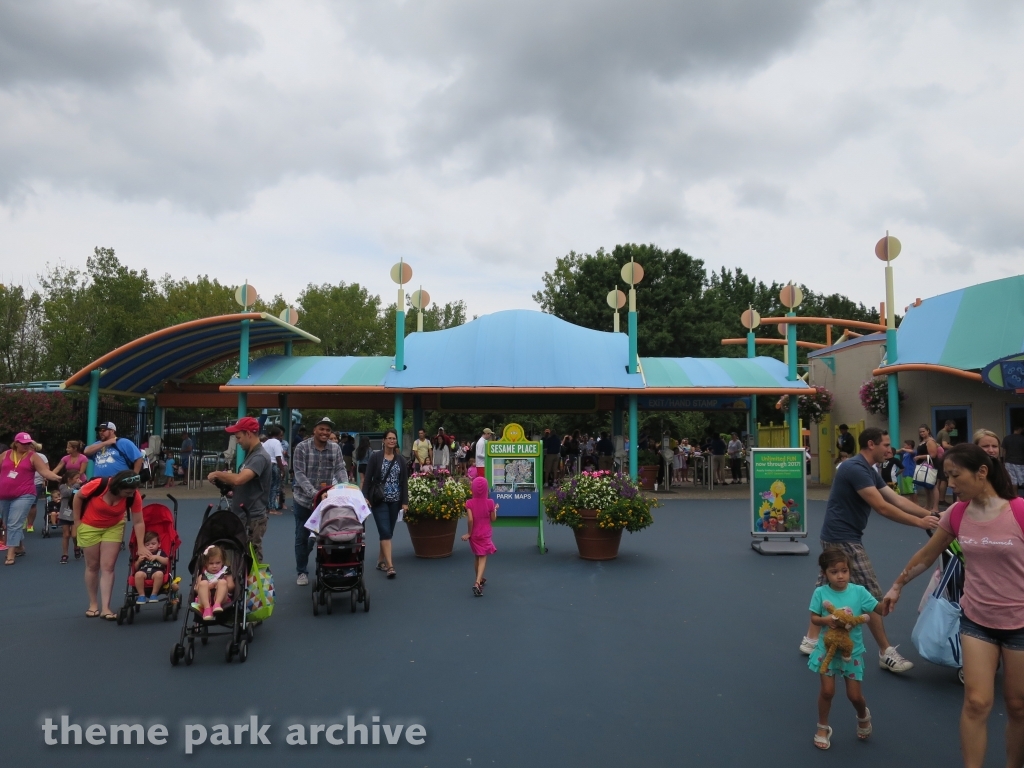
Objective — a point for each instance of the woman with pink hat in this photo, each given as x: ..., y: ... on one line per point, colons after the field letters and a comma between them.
x: 18, y: 468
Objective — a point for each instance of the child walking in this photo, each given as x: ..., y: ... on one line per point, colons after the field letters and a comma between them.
x: 482, y: 512
x: 151, y: 563
x: 839, y: 593
x: 66, y: 515
x: 215, y: 582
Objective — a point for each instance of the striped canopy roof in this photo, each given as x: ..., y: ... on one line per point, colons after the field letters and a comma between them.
x: 965, y: 329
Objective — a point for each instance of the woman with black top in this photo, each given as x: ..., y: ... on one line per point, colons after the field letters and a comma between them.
x: 386, y: 488
x: 889, y: 469
x: 362, y: 454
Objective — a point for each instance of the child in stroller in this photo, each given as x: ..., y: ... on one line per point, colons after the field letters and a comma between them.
x: 151, y: 564
x: 340, y: 548
x: 215, y: 581
x: 160, y: 583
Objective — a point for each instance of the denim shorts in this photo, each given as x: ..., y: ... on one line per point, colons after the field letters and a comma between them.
x: 1010, y: 639
x: 385, y: 515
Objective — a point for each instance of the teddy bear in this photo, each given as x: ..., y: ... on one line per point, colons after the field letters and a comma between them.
x: 838, y: 638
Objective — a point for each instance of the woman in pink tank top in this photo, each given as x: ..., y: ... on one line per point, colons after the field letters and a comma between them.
x: 18, y: 468
x: 988, y: 521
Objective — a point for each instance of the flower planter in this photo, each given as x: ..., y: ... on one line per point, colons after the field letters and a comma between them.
x: 596, y: 543
x: 433, y: 538
x: 648, y: 477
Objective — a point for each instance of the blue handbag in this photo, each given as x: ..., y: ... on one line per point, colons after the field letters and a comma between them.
x: 936, y: 634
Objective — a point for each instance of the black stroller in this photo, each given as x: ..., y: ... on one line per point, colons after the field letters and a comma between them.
x: 224, y: 529
x: 340, y: 553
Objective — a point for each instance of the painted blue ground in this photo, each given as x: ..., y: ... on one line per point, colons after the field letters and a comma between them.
x: 682, y: 652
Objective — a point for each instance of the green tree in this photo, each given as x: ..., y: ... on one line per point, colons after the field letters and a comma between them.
x: 21, y: 348
x: 346, y: 318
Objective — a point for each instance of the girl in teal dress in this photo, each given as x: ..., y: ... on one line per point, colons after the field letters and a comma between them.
x: 840, y: 593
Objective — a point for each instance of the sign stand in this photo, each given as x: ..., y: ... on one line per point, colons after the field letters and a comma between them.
x: 515, y: 475
x: 778, y: 501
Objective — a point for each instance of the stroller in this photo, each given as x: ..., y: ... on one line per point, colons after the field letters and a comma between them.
x: 159, y: 518
x: 340, y: 552
x: 224, y: 529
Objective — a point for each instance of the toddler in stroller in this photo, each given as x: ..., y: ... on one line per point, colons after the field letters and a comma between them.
x: 156, y: 560
x: 215, y: 582
x: 340, y: 548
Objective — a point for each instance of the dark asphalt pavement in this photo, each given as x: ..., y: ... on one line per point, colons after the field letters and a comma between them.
x: 681, y: 652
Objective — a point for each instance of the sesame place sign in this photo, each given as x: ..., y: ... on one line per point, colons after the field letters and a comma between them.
x: 514, y: 470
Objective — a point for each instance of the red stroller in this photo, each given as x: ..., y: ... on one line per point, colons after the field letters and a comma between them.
x: 159, y: 518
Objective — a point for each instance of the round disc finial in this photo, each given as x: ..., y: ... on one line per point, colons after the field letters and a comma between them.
x: 791, y: 296
x: 888, y: 248
x: 420, y: 299
x: 290, y: 315
x: 783, y: 329
x: 750, y: 319
x: 245, y: 295
x: 401, y: 273
x: 632, y: 273
x: 616, y: 299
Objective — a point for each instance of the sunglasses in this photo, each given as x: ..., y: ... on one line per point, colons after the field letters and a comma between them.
x: 132, y: 480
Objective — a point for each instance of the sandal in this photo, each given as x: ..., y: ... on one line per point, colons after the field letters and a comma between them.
x: 382, y: 566
x: 92, y: 614
x: 477, y: 591
x: 864, y: 724
x: 8, y: 562
x: 823, y: 742
x: 391, y: 572
x: 109, y: 616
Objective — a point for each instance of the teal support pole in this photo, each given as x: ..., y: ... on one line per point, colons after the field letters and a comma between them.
x: 158, y: 422
x: 399, y: 416
x: 243, y: 374
x: 752, y: 421
x: 894, y: 389
x: 794, y: 407
x: 633, y: 438
x: 93, y: 417
x: 400, y: 340
x: 633, y: 362
x: 286, y: 411
x: 417, y: 415
x: 288, y: 349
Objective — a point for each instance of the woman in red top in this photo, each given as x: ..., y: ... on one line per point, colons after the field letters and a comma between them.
x: 100, y: 508
x: 987, y: 523
x: 18, y: 468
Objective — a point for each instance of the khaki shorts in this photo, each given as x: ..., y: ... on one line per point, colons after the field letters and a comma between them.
x: 861, y: 570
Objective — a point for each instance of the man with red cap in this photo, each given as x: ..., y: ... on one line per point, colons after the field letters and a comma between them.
x: 251, y: 482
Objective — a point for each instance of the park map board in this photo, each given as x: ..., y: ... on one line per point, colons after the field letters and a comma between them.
x: 514, y: 467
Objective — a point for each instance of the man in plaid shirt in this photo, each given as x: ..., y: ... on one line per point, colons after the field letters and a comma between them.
x: 317, y: 463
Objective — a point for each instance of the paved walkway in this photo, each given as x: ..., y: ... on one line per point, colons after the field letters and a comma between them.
x: 681, y: 652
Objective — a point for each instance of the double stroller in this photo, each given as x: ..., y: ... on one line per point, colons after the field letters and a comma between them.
x: 159, y: 518
x: 340, y: 549
x: 224, y: 529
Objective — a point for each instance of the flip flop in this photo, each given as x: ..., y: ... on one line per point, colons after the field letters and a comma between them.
x: 382, y: 566
x: 9, y: 562
x: 109, y: 616
x: 92, y: 614
x: 391, y: 573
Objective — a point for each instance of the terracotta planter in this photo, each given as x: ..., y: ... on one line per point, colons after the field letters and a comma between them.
x: 433, y: 538
x: 648, y: 476
x: 596, y: 543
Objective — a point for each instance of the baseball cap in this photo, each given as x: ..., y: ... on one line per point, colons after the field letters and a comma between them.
x: 24, y: 438
x: 325, y: 420
x: 487, y: 431
x: 244, y: 424
x: 107, y: 425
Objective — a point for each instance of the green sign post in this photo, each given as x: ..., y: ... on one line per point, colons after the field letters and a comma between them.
x: 515, y: 469
x: 778, y: 501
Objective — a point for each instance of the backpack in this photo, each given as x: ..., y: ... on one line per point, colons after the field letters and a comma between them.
x: 958, y: 510
x: 99, y: 490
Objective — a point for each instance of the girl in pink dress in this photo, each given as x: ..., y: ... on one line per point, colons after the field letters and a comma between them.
x: 482, y: 512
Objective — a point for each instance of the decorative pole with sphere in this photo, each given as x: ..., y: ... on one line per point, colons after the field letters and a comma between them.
x: 750, y: 320
x: 245, y: 296
x: 632, y: 273
x: 791, y: 297
x: 401, y: 273
x: 887, y: 249
x: 616, y: 300
x: 419, y: 300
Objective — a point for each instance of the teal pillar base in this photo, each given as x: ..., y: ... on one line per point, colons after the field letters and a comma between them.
x: 633, y: 438
x: 794, y: 423
x: 399, y: 416
x: 93, y: 417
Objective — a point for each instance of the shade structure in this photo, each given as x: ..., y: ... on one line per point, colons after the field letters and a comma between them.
x: 965, y: 329
x: 175, y: 353
x: 720, y: 373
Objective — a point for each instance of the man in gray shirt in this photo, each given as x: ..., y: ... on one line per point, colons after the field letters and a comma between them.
x: 251, y: 482
x: 318, y: 463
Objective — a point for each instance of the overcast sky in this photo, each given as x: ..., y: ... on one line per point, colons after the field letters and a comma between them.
x: 296, y: 142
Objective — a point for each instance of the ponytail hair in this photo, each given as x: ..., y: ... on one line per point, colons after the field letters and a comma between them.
x: 972, y: 458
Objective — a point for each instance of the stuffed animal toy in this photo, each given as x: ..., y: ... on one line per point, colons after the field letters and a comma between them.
x: 838, y: 638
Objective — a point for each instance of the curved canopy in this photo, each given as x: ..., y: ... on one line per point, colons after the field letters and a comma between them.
x: 180, y: 351
x: 965, y: 329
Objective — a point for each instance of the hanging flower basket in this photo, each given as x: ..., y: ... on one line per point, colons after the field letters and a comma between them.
x: 874, y: 395
x: 812, y: 407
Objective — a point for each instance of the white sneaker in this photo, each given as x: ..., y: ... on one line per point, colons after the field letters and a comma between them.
x: 893, y: 661
x: 303, y: 580
x: 807, y: 645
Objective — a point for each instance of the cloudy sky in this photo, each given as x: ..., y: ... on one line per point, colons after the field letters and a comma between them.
x: 296, y: 142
